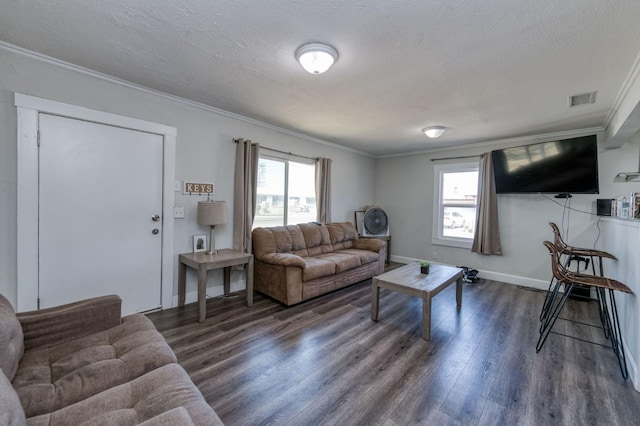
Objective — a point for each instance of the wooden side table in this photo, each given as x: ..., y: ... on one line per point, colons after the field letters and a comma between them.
x: 202, y: 262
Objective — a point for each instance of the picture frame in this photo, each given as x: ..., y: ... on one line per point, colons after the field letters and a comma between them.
x: 359, y: 217
x: 199, y: 243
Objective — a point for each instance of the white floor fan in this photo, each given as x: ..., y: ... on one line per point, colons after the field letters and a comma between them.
x: 375, y: 223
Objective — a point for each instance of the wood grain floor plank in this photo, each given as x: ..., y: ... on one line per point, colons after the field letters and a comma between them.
x: 325, y: 362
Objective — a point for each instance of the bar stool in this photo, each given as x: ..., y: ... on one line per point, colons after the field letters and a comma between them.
x: 575, y: 253
x: 608, y: 317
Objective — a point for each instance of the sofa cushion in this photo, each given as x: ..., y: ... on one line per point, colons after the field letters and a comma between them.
x: 366, y: 256
x: 315, y: 235
x: 341, y: 231
x: 343, y: 261
x: 164, y: 396
x: 278, y: 239
x: 11, y: 339
x: 342, y: 235
x: 54, y: 377
x: 262, y: 242
x: 11, y: 412
x: 316, y: 268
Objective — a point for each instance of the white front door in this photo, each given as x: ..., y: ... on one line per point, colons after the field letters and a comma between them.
x: 100, y: 188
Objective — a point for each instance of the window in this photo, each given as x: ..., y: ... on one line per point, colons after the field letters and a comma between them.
x: 456, y: 197
x: 281, y: 179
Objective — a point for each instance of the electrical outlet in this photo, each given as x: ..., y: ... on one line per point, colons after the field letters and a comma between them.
x: 434, y: 255
x: 178, y: 212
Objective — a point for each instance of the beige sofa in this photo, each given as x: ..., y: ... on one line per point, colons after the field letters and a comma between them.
x: 82, y: 364
x: 298, y: 262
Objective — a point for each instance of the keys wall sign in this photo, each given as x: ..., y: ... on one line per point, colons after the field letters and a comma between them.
x: 197, y: 188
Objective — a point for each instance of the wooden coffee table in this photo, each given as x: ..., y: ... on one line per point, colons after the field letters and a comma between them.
x: 408, y: 280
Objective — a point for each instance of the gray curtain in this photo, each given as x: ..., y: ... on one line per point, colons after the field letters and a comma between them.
x: 323, y: 190
x: 244, y: 196
x: 487, y: 236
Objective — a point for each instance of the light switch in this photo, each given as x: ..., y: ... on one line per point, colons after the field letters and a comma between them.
x: 177, y: 186
x: 178, y: 212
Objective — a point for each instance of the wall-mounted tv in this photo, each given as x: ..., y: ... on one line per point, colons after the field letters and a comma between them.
x: 566, y: 166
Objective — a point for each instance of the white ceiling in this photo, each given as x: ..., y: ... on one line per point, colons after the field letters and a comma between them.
x: 486, y: 70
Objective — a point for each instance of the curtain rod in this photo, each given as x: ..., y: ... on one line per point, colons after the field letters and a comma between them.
x: 455, y: 158
x: 283, y: 152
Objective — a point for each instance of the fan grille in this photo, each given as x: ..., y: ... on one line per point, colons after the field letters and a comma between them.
x: 375, y: 221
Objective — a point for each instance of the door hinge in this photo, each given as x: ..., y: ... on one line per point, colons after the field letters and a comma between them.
x: 38, y: 138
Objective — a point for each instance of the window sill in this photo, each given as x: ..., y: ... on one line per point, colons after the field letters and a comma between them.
x: 452, y: 242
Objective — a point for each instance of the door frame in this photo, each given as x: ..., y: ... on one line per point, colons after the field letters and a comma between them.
x: 29, y: 108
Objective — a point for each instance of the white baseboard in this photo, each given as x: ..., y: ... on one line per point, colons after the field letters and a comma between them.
x: 632, y: 365
x: 490, y: 275
x: 213, y: 291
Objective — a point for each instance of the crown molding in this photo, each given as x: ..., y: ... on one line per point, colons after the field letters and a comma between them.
x: 121, y: 82
x: 520, y: 139
x: 631, y: 79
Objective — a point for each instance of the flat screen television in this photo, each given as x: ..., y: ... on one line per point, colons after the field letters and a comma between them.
x: 566, y: 166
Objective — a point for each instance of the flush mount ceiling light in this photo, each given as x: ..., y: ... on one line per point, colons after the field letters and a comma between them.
x: 433, y: 131
x: 316, y: 57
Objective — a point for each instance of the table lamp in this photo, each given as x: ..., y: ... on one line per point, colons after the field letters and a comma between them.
x: 212, y: 213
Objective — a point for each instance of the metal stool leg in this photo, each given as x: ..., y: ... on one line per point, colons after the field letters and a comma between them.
x: 554, y: 316
x: 603, y: 310
x: 544, y: 321
x: 616, y: 337
x: 545, y: 304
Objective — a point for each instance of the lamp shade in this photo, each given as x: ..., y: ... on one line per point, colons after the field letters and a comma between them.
x: 212, y: 212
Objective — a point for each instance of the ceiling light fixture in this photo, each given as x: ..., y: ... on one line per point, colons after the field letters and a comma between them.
x: 433, y: 131
x: 316, y: 57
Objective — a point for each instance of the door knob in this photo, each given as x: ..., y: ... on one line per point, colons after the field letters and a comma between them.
x: 155, y: 217
x: 155, y: 231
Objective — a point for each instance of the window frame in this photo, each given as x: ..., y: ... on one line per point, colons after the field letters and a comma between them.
x: 286, y: 159
x: 438, y: 237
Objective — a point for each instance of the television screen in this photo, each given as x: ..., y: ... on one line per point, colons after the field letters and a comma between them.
x: 567, y: 166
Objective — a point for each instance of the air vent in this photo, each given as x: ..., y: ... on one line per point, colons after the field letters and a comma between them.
x: 583, y: 99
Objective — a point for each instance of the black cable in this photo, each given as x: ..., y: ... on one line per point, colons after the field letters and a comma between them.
x: 567, y: 207
x: 599, y: 231
x: 561, y: 205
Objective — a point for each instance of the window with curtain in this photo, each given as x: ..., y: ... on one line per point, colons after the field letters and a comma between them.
x: 455, y: 203
x: 286, y: 192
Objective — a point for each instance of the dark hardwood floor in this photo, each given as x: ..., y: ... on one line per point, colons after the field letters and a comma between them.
x: 325, y: 361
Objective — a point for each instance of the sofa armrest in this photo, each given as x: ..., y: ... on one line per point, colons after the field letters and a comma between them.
x: 282, y: 259
x: 369, y: 244
x: 52, y: 326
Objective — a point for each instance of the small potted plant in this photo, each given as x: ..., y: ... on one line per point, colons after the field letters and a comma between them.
x: 424, y: 267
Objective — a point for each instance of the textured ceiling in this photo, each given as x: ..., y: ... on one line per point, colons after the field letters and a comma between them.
x: 486, y: 70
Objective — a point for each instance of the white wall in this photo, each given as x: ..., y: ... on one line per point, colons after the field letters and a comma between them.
x: 204, y: 152
x: 622, y: 238
x: 404, y: 188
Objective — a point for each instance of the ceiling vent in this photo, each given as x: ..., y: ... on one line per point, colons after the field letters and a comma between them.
x: 583, y: 99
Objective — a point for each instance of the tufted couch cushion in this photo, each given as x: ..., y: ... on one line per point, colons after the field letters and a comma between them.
x: 11, y: 339
x: 11, y: 412
x: 50, y: 378
x: 165, y: 396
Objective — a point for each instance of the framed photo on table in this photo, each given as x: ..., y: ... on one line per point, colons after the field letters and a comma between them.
x: 359, y: 217
x: 199, y: 243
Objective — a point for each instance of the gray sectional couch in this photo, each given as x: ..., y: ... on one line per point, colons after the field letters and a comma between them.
x: 83, y: 364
